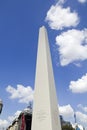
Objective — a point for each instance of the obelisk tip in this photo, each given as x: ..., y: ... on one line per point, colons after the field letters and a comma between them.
x: 42, y: 27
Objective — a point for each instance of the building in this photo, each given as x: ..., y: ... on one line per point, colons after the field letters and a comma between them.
x: 15, y: 124
x: 10, y: 127
x: 23, y: 122
x: 25, y: 119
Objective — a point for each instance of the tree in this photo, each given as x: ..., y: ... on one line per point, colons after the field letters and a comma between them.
x: 67, y: 127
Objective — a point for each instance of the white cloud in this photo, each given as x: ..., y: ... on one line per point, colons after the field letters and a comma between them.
x: 82, y: 107
x: 24, y: 94
x: 66, y: 111
x: 59, y: 17
x: 3, y: 123
x: 79, y: 125
x: 82, y: 1
x: 79, y: 86
x: 72, y: 46
x: 68, y: 114
x: 82, y: 118
x: 61, y: 2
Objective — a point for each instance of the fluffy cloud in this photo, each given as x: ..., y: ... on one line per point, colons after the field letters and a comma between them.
x: 82, y: 107
x: 59, y: 17
x: 72, y: 46
x: 61, y: 2
x: 24, y: 94
x: 82, y: 118
x: 66, y: 111
x: 79, y: 125
x: 82, y: 1
x: 68, y: 114
x: 79, y: 86
x: 3, y: 123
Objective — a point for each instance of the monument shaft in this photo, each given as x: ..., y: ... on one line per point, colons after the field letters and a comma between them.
x: 45, y: 109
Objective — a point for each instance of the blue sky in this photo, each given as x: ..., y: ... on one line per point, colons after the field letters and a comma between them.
x: 66, y: 24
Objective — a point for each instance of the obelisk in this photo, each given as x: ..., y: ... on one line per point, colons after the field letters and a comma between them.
x: 45, y: 109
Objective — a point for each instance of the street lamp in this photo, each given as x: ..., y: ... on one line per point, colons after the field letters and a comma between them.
x: 1, y: 105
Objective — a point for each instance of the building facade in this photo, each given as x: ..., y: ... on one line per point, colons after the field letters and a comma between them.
x: 23, y: 122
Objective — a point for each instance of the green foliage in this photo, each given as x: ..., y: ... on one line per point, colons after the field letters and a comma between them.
x: 67, y: 127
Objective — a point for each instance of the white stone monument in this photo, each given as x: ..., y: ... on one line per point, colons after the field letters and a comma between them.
x: 45, y: 109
